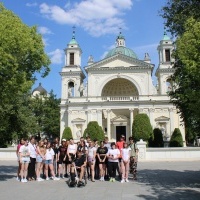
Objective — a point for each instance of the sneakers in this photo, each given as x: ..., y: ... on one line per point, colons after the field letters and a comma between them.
x: 40, y: 179
x: 17, y: 179
x: 112, y: 180
x: 47, y: 179
x: 102, y: 178
x: 127, y: 180
x: 56, y: 179
x: 24, y: 180
x: 122, y: 181
x: 80, y: 183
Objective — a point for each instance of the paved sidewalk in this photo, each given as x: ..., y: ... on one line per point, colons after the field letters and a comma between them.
x: 156, y: 180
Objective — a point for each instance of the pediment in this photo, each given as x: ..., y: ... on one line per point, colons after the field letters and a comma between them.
x: 117, y: 61
x: 120, y: 118
x: 78, y: 120
x: 162, y: 118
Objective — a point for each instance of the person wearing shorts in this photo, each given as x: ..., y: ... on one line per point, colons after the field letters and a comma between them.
x: 41, y: 151
x: 24, y: 154
x: 101, y: 155
x: 49, y: 157
x: 62, y: 154
x: 18, y: 158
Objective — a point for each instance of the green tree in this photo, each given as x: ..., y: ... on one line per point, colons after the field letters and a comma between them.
x: 142, y: 128
x: 182, y: 19
x: 177, y: 12
x: 94, y: 131
x: 47, y: 113
x: 67, y: 133
x: 21, y: 56
x: 186, y: 79
x: 51, y: 121
x: 176, y: 139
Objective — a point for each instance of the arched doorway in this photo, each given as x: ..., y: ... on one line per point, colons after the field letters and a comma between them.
x: 119, y: 87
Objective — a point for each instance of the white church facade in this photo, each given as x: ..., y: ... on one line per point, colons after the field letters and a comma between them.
x: 118, y: 87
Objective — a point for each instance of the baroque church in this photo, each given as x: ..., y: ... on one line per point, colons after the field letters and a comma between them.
x: 118, y: 87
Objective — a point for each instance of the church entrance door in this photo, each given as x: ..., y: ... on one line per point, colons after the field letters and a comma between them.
x: 120, y: 130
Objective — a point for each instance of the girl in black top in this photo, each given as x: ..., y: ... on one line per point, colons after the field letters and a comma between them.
x: 101, y: 154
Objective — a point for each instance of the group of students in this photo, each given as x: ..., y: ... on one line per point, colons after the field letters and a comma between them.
x: 102, y: 160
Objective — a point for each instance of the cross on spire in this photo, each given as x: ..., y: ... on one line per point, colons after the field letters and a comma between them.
x: 73, y: 35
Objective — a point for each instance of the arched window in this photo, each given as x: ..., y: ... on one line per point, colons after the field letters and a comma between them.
x: 168, y: 85
x: 71, y: 89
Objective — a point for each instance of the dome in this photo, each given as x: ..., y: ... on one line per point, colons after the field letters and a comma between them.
x: 73, y: 41
x: 40, y: 90
x: 121, y: 50
x: 166, y: 37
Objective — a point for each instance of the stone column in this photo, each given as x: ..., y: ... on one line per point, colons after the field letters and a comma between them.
x: 171, y: 116
x: 62, y: 122
x: 131, y: 121
x: 108, y: 124
x: 69, y: 113
x: 151, y: 111
x: 99, y: 117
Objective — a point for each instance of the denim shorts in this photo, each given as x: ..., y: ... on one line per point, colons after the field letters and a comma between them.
x: 47, y: 162
x: 38, y: 159
x: 25, y: 160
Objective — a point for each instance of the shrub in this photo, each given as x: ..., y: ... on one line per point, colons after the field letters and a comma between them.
x: 142, y: 127
x: 94, y: 131
x: 176, y: 139
x: 158, y: 138
x: 67, y: 133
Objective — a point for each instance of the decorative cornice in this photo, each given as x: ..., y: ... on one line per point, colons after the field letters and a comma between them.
x: 135, y: 68
x: 124, y: 57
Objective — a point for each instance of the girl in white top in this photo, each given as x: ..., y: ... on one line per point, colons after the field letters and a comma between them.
x: 91, y: 158
x: 71, y: 150
x: 113, y: 159
x: 24, y: 155
x: 125, y: 153
x: 49, y: 156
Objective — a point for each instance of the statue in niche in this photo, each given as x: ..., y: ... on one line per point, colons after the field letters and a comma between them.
x: 81, y: 89
x: 163, y: 130
x: 78, y: 134
x: 70, y: 92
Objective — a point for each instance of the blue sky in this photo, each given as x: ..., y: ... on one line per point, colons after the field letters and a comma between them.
x: 97, y: 24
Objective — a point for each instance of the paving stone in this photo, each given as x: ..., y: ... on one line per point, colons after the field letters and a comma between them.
x: 156, y: 180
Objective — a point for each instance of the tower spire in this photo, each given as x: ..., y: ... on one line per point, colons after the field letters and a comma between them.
x: 73, y: 33
x: 120, y: 39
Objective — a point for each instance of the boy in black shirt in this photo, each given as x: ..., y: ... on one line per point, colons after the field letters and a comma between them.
x: 80, y: 164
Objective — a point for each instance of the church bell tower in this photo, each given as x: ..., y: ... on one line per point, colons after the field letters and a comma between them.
x: 72, y: 74
x: 165, y: 70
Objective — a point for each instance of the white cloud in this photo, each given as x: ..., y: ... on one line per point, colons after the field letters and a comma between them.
x: 44, y: 30
x: 45, y: 41
x: 31, y: 4
x: 56, y: 56
x: 95, y: 16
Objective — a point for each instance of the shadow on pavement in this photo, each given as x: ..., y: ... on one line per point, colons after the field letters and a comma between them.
x: 168, y: 184
x: 7, y: 172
